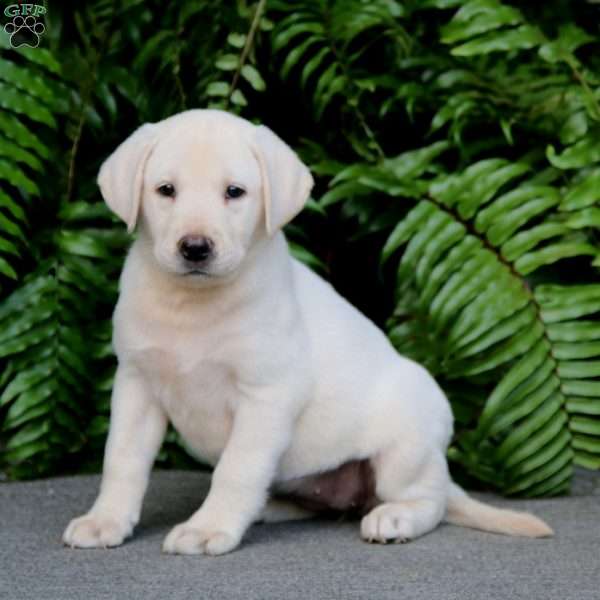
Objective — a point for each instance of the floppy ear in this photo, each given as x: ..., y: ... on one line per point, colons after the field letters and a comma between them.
x: 122, y: 174
x: 286, y: 180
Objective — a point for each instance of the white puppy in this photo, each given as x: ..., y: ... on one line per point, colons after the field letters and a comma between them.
x: 262, y: 367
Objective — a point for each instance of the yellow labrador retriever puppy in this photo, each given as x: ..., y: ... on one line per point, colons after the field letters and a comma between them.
x: 262, y: 367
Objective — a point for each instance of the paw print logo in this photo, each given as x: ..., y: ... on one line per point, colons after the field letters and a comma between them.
x: 24, y: 31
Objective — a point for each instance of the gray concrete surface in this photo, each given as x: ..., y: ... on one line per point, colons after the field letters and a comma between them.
x: 308, y: 560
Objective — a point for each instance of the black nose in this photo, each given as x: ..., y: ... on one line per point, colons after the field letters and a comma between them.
x: 195, y: 248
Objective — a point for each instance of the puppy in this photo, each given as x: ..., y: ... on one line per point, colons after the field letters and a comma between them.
x: 266, y: 372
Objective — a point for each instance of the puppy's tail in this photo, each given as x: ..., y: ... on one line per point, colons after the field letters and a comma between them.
x: 468, y: 512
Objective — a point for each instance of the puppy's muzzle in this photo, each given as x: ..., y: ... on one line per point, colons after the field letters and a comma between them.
x: 196, y: 249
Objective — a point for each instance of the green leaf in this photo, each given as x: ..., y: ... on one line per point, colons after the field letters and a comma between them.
x: 550, y: 254
x: 582, y: 388
x: 562, y: 303
x: 587, y: 218
x: 530, y: 238
x: 15, y: 210
x: 7, y: 270
x: 29, y: 292
x: 312, y: 65
x: 544, y: 477
x: 227, y: 62
x: 26, y: 81
x: 570, y: 37
x: 583, y: 194
x: 474, y: 337
x: 574, y: 332
x: 342, y: 192
x: 15, y: 130
x: 582, y: 153
x: 253, y: 77
x: 15, y: 154
x: 584, y: 442
x: 520, y: 38
x: 82, y: 243
x: 41, y: 57
x: 35, y: 397
x: 297, y: 53
x: 538, y: 430
x: 17, y: 178
x: 238, y: 98
x: 574, y: 351
x: 478, y: 17
x: 525, y: 400
x: 586, y: 406
x: 485, y: 187
x: 454, y: 260
x: 218, y: 88
x: 237, y: 40
x: 13, y: 422
x: 504, y: 353
x: 575, y: 127
x: 25, y: 380
x: 414, y: 162
x: 505, y: 226
x: 449, y: 189
x: 31, y: 432
x: 585, y: 425
x: 25, y: 452
x: 282, y: 39
x: 406, y: 227
x: 18, y: 102
x: 579, y: 369
x: 446, y: 237
x: 335, y: 87
x: 509, y: 201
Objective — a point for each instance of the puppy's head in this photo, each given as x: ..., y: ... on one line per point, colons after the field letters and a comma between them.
x: 205, y: 186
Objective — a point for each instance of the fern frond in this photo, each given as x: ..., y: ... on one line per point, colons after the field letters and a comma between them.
x: 470, y: 247
x: 322, y: 45
x: 28, y: 101
x: 50, y: 341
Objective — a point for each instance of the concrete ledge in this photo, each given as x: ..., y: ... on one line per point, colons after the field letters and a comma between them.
x: 307, y: 560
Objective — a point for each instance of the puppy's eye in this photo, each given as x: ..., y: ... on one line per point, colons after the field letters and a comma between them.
x: 234, y: 191
x: 166, y: 189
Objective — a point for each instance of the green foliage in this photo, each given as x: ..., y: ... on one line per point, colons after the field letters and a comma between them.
x: 27, y: 100
x: 455, y: 140
x: 469, y: 251
x: 496, y: 241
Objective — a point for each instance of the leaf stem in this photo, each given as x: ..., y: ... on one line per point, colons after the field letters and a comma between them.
x: 246, y: 49
x: 85, y: 98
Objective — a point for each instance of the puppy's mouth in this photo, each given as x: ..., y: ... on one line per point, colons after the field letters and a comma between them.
x: 197, y: 273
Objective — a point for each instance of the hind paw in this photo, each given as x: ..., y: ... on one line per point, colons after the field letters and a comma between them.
x: 387, y: 523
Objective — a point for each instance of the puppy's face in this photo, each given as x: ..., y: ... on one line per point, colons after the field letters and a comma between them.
x: 206, y: 185
x: 202, y: 202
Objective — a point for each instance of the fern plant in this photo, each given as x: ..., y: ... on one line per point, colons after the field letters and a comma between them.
x: 47, y: 339
x: 483, y: 295
x: 56, y: 358
x: 470, y: 252
x: 28, y: 100
x: 455, y: 139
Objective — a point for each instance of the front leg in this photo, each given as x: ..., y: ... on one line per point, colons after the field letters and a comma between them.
x: 137, y: 428
x: 260, y: 434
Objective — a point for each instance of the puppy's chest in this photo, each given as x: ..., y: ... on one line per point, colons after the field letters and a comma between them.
x: 197, y: 396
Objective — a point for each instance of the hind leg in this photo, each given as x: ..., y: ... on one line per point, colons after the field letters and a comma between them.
x: 413, y: 495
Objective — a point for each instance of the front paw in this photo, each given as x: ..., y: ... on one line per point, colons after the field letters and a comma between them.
x: 187, y: 539
x: 95, y: 531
